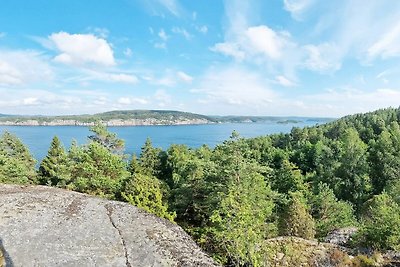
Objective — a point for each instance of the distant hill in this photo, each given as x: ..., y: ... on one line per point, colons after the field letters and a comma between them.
x: 143, y: 117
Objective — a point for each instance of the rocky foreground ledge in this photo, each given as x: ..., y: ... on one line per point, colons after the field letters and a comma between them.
x: 43, y: 226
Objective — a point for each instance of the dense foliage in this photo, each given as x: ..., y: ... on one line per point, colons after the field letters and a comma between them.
x: 233, y: 197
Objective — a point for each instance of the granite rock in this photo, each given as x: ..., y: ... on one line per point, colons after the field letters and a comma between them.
x: 43, y: 226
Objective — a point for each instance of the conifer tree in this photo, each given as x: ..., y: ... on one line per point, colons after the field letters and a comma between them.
x: 16, y: 163
x: 297, y: 220
x: 54, y: 168
x: 146, y: 192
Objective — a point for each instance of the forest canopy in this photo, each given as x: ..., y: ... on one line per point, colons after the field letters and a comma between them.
x: 234, y: 197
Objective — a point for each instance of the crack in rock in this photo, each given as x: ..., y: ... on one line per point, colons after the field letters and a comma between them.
x: 109, y: 209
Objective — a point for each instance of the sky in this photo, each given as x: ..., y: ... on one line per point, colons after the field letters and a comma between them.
x: 234, y: 57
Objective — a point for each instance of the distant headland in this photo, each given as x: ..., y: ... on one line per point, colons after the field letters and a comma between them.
x: 141, y: 118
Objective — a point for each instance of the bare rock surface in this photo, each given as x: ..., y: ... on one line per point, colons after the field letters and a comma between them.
x: 42, y: 226
x: 341, y: 236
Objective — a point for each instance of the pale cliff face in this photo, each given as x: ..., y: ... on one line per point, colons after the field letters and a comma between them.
x: 114, y: 122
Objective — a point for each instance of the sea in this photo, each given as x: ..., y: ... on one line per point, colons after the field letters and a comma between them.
x: 38, y: 138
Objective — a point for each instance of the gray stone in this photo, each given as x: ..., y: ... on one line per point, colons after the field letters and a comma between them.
x: 42, y: 226
x: 341, y: 236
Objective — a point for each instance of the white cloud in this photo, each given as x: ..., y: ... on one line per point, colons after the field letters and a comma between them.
x: 297, y: 7
x: 261, y: 45
x: 203, y: 29
x: 121, y: 77
x: 229, y: 49
x: 132, y: 101
x: 170, y: 78
x: 388, y: 45
x: 128, y: 52
x: 80, y: 49
x: 233, y: 90
x: 162, y: 34
x: 162, y: 98
x: 102, y: 32
x: 100, y: 101
x: 184, y: 77
x: 20, y: 67
x: 263, y: 40
x: 90, y: 75
x: 160, y: 46
x: 29, y: 101
x: 341, y: 102
x: 182, y: 32
x: 282, y: 80
x: 323, y: 58
x: 172, y: 6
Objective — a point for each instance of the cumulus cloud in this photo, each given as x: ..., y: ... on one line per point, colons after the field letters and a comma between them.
x: 255, y: 41
x: 81, y: 49
x: 263, y: 40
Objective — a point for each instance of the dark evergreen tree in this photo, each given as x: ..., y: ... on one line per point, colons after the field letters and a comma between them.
x: 16, y: 163
x: 54, y: 168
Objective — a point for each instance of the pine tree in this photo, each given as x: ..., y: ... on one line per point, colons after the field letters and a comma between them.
x: 107, y: 139
x: 381, y: 224
x: 146, y: 192
x: 329, y: 212
x: 134, y: 166
x: 16, y: 163
x: 150, y: 163
x: 54, y: 168
x: 297, y: 220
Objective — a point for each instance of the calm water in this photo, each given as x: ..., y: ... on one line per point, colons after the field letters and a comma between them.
x: 38, y: 138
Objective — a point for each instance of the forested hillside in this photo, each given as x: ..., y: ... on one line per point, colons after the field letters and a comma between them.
x: 144, y: 117
x: 233, y: 198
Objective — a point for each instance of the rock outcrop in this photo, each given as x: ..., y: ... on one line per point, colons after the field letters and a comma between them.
x: 341, y: 236
x: 294, y: 251
x: 42, y: 226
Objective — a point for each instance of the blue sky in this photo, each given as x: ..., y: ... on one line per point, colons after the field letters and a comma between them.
x: 275, y: 57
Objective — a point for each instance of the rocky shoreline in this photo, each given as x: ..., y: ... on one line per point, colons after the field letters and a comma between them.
x: 113, y: 122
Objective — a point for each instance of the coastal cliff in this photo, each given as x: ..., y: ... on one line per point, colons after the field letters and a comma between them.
x: 113, y: 122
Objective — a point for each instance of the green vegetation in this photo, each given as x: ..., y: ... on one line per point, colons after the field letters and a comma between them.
x: 17, y: 165
x: 237, y: 197
x: 163, y: 117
